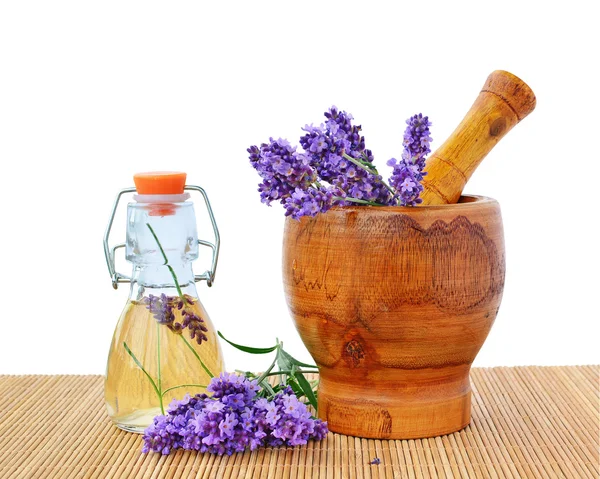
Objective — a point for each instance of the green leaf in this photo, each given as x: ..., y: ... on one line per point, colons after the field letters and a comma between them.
x: 290, y: 376
x: 305, y: 385
x: 262, y: 378
x: 283, y: 360
x: 297, y: 389
x: 291, y: 360
x: 277, y: 388
x: 267, y: 387
x: 248, y: 349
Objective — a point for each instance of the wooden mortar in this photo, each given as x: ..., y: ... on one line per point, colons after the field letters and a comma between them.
x: 503, y: 102
x: 394, y: 304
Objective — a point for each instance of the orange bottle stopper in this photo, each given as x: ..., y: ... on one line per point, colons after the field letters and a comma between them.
x: 160, y: 183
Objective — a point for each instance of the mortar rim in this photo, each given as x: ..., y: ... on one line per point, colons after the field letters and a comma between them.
x: 471, y: 201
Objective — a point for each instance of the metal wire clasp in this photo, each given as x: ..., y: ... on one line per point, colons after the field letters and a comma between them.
x: 109, y: 253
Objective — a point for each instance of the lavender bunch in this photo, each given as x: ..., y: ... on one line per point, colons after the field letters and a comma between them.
x: 336, y: 168
x: 232, y: 419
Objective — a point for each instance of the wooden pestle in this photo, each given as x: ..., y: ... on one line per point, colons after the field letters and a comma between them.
x: 503, y: 102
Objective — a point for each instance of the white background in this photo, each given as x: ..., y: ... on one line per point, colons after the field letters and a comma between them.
x: 91, y: 92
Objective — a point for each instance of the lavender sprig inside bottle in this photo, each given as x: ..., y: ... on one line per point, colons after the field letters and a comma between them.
x: 162, y: 308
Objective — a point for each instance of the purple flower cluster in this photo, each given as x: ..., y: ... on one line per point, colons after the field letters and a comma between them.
x: 232, y: 419
x: 335, y: 153
x: 327, y: 146
x: 309, y: 202
x: 408, y: 172
x: 163, y: 309
x: 281, y: 168
x: 285, y: 172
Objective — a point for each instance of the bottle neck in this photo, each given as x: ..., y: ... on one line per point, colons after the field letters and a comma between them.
x: 152, y: 238
x: 158, y: 279
x: 159, y: 233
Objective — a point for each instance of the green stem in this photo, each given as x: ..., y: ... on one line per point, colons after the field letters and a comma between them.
x: 184, y: 386
x: 162, y: 409
x: 268, y: 371
x: 390, y: 189
x: 369, y: 169
x: 139, y: 365
x: 356, y: 200
x: 210, y: 375
x: 360, y: 164
x: 166, y: 263
x: 158, y: 243
x: 179, y: 292
x: 267, y: 387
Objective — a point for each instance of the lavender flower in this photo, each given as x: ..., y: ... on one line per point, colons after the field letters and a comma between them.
x: 162, y: 308
x: 408, y: 172
x: 232, y: 420
x: 416, y: 143
x: 404, y: 180
x: 309, y: 202
x: 191, y: 321
x: 281, y: 168
x: 327, y: 146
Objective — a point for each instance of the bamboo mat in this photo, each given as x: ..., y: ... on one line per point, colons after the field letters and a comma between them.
x: 527, y: 422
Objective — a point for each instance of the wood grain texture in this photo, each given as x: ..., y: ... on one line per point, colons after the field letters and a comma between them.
x: 528, y: 422
x: 394, y: 304
x: 503, y: 102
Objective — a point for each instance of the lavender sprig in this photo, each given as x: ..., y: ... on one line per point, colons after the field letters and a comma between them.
x: 281, y: 168
x: 197, y: 329
x: 408, y: 172
x: 289, y: 178
x: 162, y: 308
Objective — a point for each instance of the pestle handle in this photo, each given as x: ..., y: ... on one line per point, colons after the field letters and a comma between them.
x: 503, y: 102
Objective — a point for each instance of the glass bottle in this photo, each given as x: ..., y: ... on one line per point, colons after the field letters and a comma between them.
x: 164, y: 345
